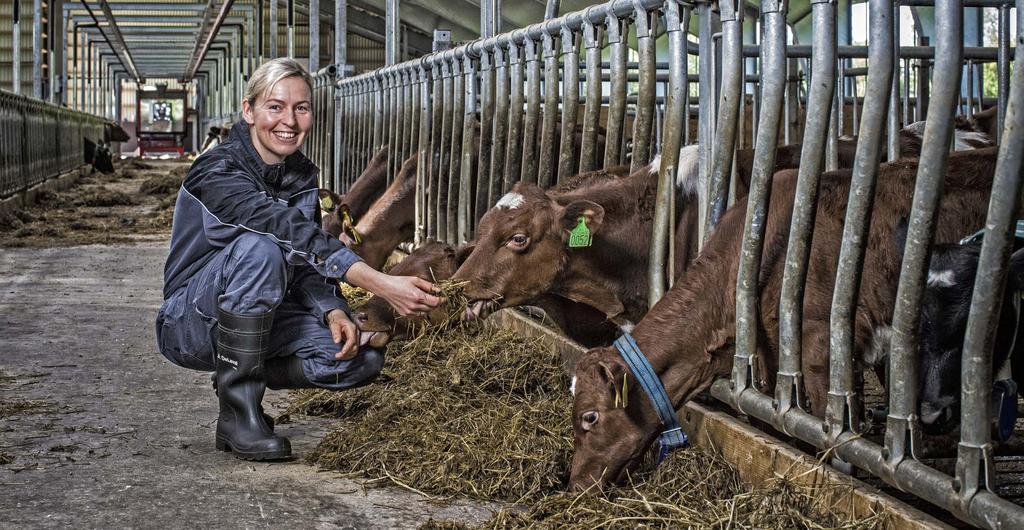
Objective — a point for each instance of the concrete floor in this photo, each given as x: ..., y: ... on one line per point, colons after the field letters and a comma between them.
x: 99, y: 431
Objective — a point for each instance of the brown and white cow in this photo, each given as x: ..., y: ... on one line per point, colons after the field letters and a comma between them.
x: 689, y: 335
x: 389, y: 221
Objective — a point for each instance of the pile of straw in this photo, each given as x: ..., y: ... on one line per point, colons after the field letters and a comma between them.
x: 484, y: 413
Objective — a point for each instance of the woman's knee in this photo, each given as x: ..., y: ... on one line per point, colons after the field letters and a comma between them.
x: 340, y: 375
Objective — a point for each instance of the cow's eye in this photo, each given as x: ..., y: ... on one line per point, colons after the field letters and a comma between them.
x: 589, y: 419
x: 519, y: 240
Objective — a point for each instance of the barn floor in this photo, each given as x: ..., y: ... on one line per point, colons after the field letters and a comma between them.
x: 97, y: 430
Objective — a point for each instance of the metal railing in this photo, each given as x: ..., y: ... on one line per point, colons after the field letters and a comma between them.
x: 320, y: 148
x: 39, y: 141
x: 509, y: 108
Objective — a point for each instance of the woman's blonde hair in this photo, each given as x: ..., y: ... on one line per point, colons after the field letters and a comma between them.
x: 272, y: 71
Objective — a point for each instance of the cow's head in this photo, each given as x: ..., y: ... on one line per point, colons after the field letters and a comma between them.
x: 522, y: 245
x: 945, y: 307
x: 113, y: 132
x: 329, y: 219
x: 613, y: 422
x: 378, y: 322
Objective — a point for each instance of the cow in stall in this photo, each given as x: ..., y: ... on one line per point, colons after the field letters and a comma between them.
x: 689, y: 336
x: 945, y: 306
x: 339, y: 213
x: 98, y: 154
x: 388, y: 221
x: 214, y: 137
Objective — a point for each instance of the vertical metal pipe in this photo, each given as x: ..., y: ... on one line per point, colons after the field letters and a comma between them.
x: 592, y: 107
x: 677, y: 20
x: 970, y: 89
x: 901, y: 428
x: 832, y: 149
x: 411, y: 123
x: 340, y: 36
x: 773, y: 81
x: 437, y: 116
x: 424, y: 157
x: 974, y: 459
x: 64, y: 100
x: 546, y: 164
x: 644, y: 123
x: 500, y: 137
x: 16, y: 48
x: 842, y: 98
x: 906, y: 92
x: 273, y: 29
x: 842, y: 409
x: 821, y: 98
x: 37, y: 49
x: 488, y: 122
x: 616, y: 125
x: 455, y: 171
x: 515, y: 140
x: 377, y: 87
x: 291, y: 28
x: 465, y: 212
x: 446, y: 147
x: 1003, y: 67
x: 570, y: 103
x: 530, y: 132
x: 314, y: 35
x: 893, y: 121
x: 725, y: 137
x: 391, y: 34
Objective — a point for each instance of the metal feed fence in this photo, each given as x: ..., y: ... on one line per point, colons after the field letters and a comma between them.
x: 509, y: 108
x: 39, y: 141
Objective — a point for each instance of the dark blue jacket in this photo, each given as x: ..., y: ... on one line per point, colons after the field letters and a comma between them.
x: 230, y: 190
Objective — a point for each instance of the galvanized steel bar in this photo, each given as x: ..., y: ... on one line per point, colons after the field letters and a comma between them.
x: 37, y: 49
x: 514, y: 143
x: 488, y: 123
x: 974, y: 466
x: 408, y: 125
x: 725, y: 137
x: 465, y: 211
x: 16, y: 49
x: 424, y: 158
x: 677, y: 19
x: 570, y: 103
x: 773, y: 86
x: 391, y: 33
x: 616, y: 126
x: 500, y: 139
x: 901, y: 434
x: 546, y: 164
x: 314, y: 35
x: 843, y: 405
x: 441, y: 140
x: 592, y: 106
x: 530, y: 131
x: 789, y: 383
x: 1003, y: 67
x: 455, y: 168
x: 290, y: 21
x: 893, y: 121
x: 450, y: 75
x: 273, y: 29
x: 643, y: 125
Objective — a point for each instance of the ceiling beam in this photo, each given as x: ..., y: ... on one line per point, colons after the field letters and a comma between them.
x: 118, y: 46
x: 207, y: 33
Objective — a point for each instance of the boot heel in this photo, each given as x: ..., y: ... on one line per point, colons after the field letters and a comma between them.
x: 223, y: 446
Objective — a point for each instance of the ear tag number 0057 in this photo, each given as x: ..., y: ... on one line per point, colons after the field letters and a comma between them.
x: 580, y: 236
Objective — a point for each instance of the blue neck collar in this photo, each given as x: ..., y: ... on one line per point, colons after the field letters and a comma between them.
x: 673, y: 435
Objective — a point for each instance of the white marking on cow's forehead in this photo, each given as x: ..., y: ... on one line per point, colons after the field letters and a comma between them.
x: 511, y: 201
x: 941, y: 278
x: 572, y: 387
x: 878, y: 350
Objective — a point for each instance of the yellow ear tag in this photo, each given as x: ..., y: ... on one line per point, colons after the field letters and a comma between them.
x: 618, y: 398
x: 326, y: 203
x: 625, y: 390
x: 351, y: 225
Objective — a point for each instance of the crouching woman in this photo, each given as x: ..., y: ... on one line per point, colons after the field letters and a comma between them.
x: 249, y: 283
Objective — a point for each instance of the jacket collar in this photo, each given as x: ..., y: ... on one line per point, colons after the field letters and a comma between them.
x: 272, y: 174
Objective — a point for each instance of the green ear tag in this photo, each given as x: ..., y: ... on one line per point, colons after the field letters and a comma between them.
x: 580, y: 236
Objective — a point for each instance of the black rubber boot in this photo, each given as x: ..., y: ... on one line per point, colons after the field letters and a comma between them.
x: 284, y: 373
x: 242, y: 344
x: 266, y: 417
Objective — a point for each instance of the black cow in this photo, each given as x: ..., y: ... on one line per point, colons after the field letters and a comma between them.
x: 944, y: 311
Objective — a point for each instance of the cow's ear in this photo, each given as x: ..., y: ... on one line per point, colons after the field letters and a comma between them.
x: 616, y: 376
x: 899, y: 234
x: 591, y: 212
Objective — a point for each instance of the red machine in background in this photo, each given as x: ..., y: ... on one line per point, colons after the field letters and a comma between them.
x: 161, y: 121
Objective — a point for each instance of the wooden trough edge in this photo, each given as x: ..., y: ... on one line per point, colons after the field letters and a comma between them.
x: 759, y: 457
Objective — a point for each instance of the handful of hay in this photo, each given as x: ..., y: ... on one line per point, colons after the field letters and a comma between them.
x: 485, y: 413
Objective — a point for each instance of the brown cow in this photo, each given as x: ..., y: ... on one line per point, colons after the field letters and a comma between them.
x: 689, y: 335
x: 389, y: 221
x: 379, y: 324
x: 360, y: 195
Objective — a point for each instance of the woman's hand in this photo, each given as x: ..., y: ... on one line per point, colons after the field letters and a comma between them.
x: 345, y: 333
x: 407, y: 294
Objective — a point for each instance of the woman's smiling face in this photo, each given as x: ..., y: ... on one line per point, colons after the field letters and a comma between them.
x: 279, y: 120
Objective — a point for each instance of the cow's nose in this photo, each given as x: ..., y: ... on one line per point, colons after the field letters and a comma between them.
x: 936, y: 414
